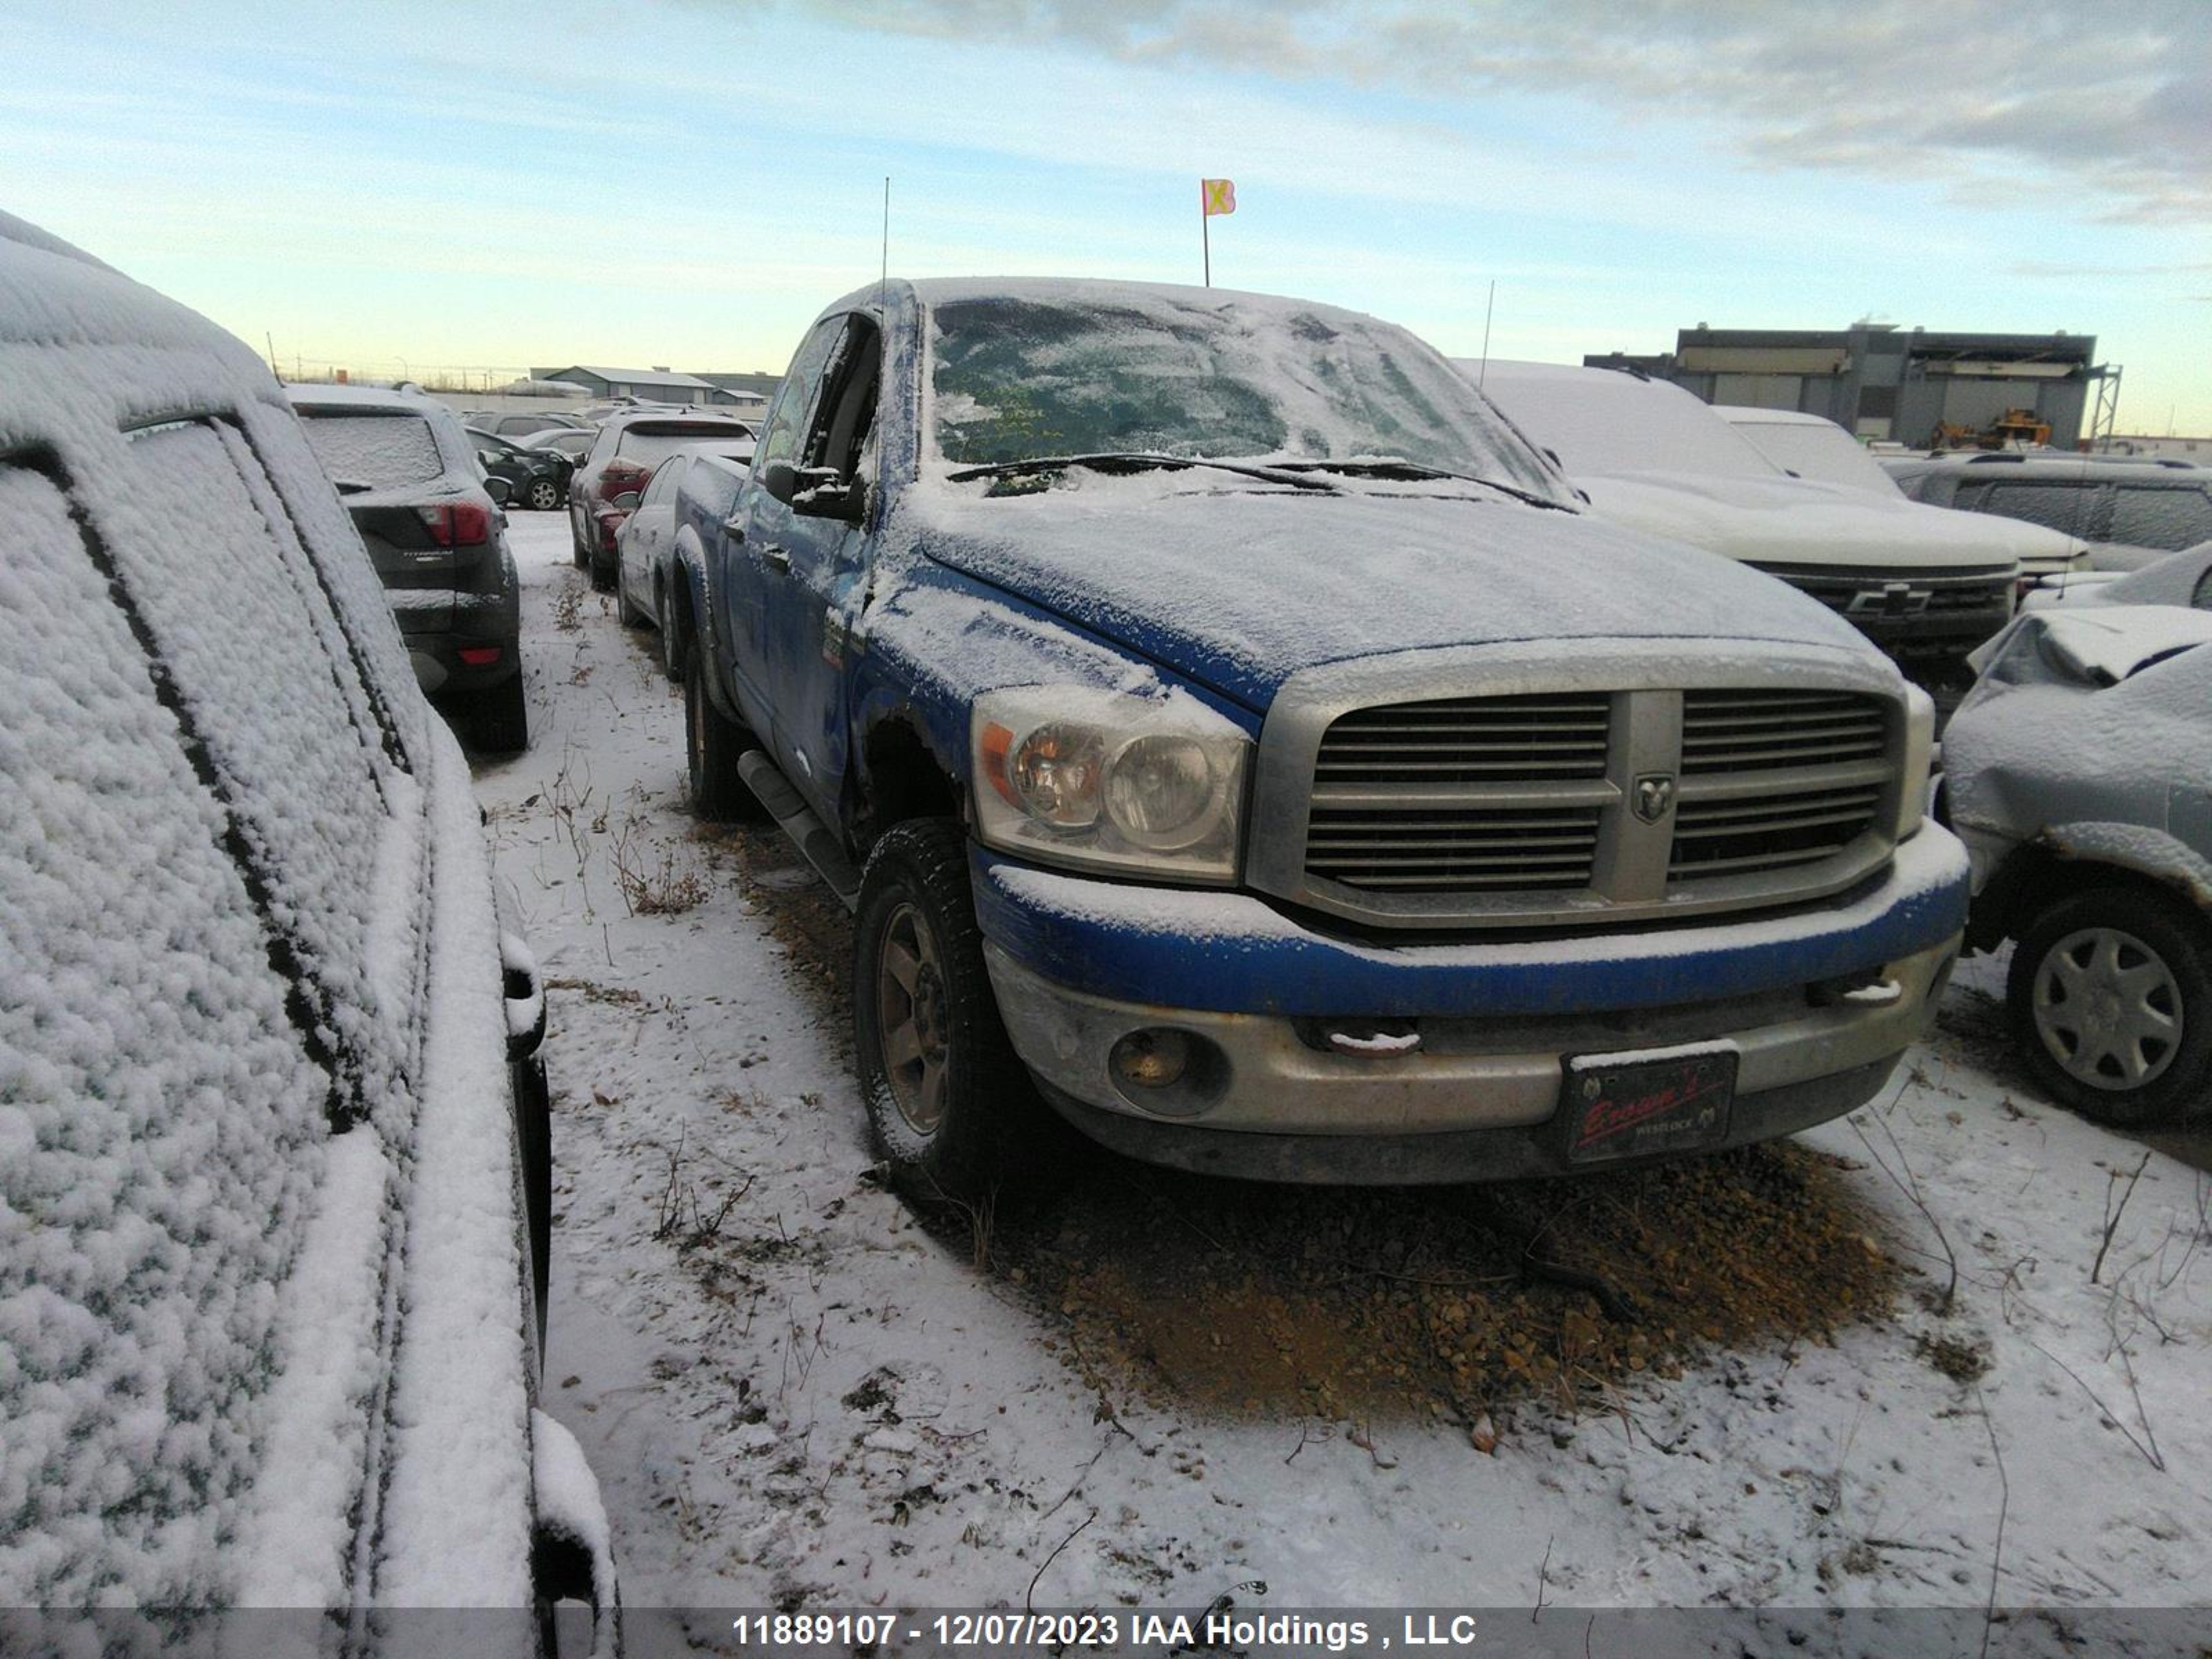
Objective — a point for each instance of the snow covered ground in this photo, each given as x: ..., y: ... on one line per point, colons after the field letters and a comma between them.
x: 794, y: 1393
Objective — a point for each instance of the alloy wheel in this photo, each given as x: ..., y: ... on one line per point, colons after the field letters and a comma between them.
x: 914, y: 1014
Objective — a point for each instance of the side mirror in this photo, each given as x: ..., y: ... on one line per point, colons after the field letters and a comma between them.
x: 625, y: 502
x: 818, y: 492
x: 831, y: 497
x: 499, y: 490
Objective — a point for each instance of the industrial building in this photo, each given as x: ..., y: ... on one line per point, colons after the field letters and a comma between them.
x: 744, y: 393
x: 1916, y: 386
x: 653, y: 386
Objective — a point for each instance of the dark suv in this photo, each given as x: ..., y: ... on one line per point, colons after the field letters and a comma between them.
x: 277, y: 1178
x: 438, y: 537
x: 2133, y: 510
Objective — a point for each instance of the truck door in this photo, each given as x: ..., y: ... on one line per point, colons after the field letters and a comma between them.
x: 813, y: 602
x: 754, y: 562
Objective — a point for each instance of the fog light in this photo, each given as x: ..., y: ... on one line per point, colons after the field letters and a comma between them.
x: 1150, y: 1060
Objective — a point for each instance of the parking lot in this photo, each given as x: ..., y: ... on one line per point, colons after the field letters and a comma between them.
x: 1951, y: 1348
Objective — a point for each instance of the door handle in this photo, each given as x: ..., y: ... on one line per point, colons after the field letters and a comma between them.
x: 775, y: 557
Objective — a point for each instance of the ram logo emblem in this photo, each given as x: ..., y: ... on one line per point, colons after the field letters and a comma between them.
x: 1654, y: 796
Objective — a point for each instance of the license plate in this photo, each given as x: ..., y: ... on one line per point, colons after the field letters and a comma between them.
x: 1618, y: 1107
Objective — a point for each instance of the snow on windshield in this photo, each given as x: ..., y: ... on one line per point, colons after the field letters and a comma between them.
x: 381, y: 448
x: 1018, y: 376
x: 1601, y: 421
x: 1825, y: 453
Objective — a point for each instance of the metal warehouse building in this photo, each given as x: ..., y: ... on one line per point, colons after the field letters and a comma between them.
x: 1880, y: 381
x: 656, y: 386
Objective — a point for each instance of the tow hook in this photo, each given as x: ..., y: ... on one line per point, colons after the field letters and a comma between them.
x: 1378, y: 1039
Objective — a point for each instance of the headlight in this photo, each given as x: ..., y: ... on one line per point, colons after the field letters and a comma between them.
x: 1106, y: 779
x: 1919, y: 748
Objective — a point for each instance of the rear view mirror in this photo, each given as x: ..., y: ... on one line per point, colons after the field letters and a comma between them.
x: 499, y: 490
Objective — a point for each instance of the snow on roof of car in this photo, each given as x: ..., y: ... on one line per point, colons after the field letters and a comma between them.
x: 319, y: 393
x: 675, y: 415
x: 52, y: 293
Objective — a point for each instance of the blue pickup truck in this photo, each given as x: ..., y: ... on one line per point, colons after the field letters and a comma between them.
x: 1230, y: 734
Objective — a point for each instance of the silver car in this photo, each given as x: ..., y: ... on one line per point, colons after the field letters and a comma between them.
x: 2078, y: 774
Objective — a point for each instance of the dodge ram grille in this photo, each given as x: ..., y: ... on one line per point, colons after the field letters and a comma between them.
x: 1582, y: 806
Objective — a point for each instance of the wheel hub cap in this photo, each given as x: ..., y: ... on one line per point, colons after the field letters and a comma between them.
x: 2107, y: 1008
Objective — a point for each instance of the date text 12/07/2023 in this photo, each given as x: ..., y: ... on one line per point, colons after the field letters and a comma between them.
x: 1213, y: 1631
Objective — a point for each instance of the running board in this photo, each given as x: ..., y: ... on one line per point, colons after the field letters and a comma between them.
x: 808, y: 833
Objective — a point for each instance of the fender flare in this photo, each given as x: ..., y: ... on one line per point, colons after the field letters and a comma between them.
x: 689, y: 571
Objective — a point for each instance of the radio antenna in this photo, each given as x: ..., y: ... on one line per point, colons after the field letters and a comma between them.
x: 884, y: 281
x: 1483, y: 374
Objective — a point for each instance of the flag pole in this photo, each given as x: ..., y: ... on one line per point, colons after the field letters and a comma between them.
x: 1204, y: 240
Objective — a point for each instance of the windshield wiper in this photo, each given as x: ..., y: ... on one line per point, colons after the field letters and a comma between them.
x: 351, y: 487
x: 1136, y: 461
x: 1413, y: 471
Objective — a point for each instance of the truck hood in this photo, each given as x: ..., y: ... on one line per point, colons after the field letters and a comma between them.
x: 1236, y: 590
x: 1795, y: 521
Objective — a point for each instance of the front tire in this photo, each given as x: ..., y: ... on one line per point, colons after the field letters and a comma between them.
x: 626, y: 613
x: 2110, y: 997
x: 951, y: 1109
x: 604, y: 573
x: 544, y: 494
x: 713, y: 743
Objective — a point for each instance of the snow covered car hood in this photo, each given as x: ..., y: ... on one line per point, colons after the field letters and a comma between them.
x: 1238, y: 589
x: 2183, y: 578
x: 1791, y: 521
x: 2087, y: 731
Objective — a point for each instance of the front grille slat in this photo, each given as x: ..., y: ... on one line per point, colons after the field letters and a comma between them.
x: 1760, y: 730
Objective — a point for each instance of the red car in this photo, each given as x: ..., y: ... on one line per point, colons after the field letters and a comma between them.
x: 621, y: 463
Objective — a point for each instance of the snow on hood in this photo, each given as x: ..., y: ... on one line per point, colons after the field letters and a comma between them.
x: 1237, y: 588
x: 2103, y: 646
x: 1793, y: 521
x: 2183, y: 579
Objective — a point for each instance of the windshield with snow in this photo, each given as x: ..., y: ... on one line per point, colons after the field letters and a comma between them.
x: 1825, y: 453
x: 1016, y: 379
x: 378, y: 449
x: 1600, y: 421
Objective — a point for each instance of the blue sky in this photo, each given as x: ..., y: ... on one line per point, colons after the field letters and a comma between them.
x: 686, y: 181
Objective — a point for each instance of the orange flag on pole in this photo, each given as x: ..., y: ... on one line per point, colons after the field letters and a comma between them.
x: 1214, y: 195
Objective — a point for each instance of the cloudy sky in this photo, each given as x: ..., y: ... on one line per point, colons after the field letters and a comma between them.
x: 686, y: 181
